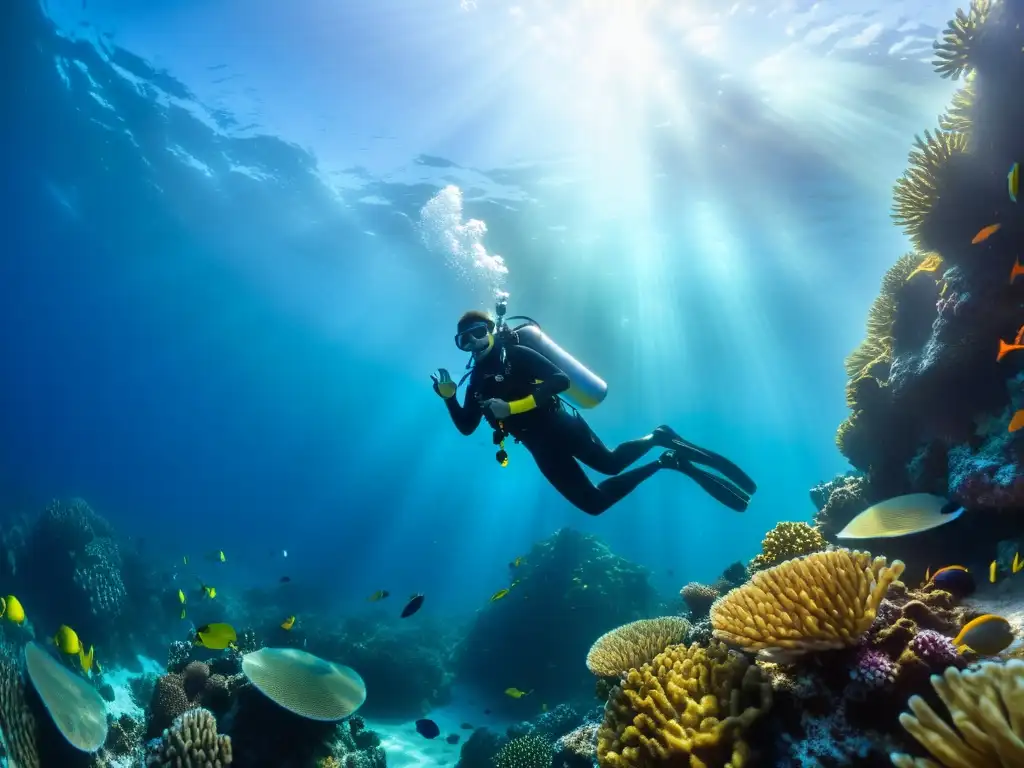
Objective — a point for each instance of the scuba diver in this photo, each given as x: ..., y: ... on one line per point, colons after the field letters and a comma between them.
x: 517, y: 387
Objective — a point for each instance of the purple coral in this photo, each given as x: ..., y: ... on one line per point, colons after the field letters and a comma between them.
x: 873, y: 669
x: 888, y: 613
x: 934, y: 648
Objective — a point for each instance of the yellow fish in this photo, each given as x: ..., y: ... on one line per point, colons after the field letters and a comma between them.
x: 67, y: 640
x: 544, y: 707
x: 499, y: 594
x: 222, y: 558
x: 380, y: 594
x: 516, y: 563
x: 986, y: 635
x: 86, y: 659
x: 1013, y: 181
x: 15, y: 613
x: 216, y: 637
x: 184, y: 559
x: 992, y: 572
x: 99, y: 669
x: 288, y: 623
x: 1018, y: 564
x: 207, y: 591
x: 515, y: 693
x: 183, y: 613
x: 181, y: 597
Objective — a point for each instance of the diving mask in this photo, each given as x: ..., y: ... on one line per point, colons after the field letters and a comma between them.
x: 477, y: 332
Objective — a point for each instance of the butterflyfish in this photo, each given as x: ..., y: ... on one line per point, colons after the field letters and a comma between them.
x: 380, y: 594
x: 1017, y: 270
x: 67, y: 640
x: 15, y: 612
x: 499, y: 594
x: 1018, y: 564
x: 288, y: 623
x: 86, y: 659
x: 902, y: 516
x: 986, y: 635
x: 181, y: 597
x: 985, y: 233
x: 414, y: 604
x: 1017, y: 421
x: 993, y: 569
x: 216, y: 637
x: 1013, y: 181
x: 955, y: 579
x: 182, y: 613
x: 515, y: 693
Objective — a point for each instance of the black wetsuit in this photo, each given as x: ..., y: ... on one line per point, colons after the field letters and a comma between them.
x: 558, y: 438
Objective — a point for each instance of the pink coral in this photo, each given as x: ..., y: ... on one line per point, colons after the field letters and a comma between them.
x: 934, y: 648
x: 873, y: 669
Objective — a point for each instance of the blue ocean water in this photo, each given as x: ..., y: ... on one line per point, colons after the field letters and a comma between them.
x: 221, y: 298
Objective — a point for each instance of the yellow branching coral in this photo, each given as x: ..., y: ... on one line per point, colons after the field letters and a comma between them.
x: 813, y: 603
x: 953, y: 54
x: 986, y: 704
x: 688, y: 707
x: 633, y: 645
x: 785, y: 541
x: 877, y: 344
x: 916, y: 191
x: 958, y: 118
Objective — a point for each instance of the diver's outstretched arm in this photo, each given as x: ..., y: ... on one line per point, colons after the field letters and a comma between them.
x: 465, y: 417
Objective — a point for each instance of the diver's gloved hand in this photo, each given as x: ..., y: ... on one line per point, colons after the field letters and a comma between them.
x: 443, y: 384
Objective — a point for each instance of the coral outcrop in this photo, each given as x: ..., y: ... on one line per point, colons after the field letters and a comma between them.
x: 786, y: 541
x: 633, y: 645
x: 689, y: 707
x: 826, y: 600
x: 191, y: 741
x: 577, y: 589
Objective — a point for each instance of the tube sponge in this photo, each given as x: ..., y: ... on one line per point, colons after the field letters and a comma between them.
x: 688, y: 704
x: 822, y: 601
x: 986, y: 704
x: 191, y: 742
x: 953, y: 54
x: 633, y: 645
x: 785, y: 541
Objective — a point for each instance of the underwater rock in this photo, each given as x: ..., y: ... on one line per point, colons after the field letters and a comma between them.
x: 479, y: 749
x: 552, y: 725
x: 847, y: 498
x: 574, y: 587
x: 578, y: 748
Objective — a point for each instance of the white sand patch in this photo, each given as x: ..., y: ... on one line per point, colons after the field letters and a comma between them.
x: 406, y: 748
x: 120, y: 679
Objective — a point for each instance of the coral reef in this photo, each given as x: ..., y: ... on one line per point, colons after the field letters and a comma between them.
x: 192, y: 740
x: 698, y: 598
x: 525, y: 752
x: 633, y: 645
x: 821, y: 601
x: 689, y: 706
x: 578, y: 748
x: 17, y: 721
x: 577, y: 589
x: 838, y: 502
x: 786, y: 541
x: 985, y: 704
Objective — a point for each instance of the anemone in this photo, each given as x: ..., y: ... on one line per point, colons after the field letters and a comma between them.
x: 959, y: 40
x: 916, y: 191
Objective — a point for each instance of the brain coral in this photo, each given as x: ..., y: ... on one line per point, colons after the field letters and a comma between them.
x: 821, y: 601
x: 785, y: 541
x: 633, y: 645
x: 688, y: 707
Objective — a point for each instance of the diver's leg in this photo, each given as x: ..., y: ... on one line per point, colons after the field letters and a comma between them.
x: 668, y: 438
x: 588, y: 447
x: 714, y: 485
x: 568, y: 478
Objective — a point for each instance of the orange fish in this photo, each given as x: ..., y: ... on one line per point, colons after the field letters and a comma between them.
x: 985, y: 233
x: 1005, y: 347
x: 1017, y: 422
x: 1017, y: 271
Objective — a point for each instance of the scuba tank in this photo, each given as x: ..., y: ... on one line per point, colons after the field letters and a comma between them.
x: 586, y: 388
